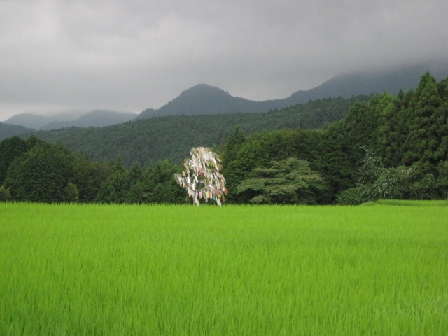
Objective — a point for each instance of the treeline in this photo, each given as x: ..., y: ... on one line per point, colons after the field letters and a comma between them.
x: 171, y: 137
x: 36, y: 171
x: 386, y: 147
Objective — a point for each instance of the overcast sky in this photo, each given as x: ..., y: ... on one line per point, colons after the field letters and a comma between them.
x: 129, y: 55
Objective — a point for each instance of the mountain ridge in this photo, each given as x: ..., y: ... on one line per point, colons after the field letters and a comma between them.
x: 207, y: 99
x: 95, y: 118
x: 36, y: 121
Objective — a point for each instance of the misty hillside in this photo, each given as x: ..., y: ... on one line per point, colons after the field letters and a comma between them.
x: 7, y: 131
x: 205, y: 99
x: 96, y: 118
x: 36, y: 121
x: 29, y: 120
x: 364, y: 83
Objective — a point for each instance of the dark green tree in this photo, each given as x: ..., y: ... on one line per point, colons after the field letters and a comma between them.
x: 5, y: 195
x: 290, y: 181
x: 234, y: 143
x: 41, y: 174
x: 117, y: 185
x: 71, y: 193
x: 427, y: 123
x: 157, y: 184
x: 88, y: 176
x: 338, y: 167
x: 10, y: 149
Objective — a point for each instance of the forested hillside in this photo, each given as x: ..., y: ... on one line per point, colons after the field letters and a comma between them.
x: 171, y: 137
x: 7, y: 131
x: 386, y: 147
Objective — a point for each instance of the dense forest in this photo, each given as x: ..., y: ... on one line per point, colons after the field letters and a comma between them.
x: 36, y: 171
x: 388, y: 146
x: 171, y: 137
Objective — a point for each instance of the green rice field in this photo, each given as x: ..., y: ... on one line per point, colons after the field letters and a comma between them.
x: 234, y: 270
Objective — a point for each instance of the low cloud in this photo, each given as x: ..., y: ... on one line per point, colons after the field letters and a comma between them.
x: 131, y: 55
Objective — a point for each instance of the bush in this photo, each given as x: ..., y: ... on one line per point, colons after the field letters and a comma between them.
x: 355, y: 196
x: 5, y: 195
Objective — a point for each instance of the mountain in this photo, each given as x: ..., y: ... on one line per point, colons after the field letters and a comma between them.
x: 29, y: 120
x: 205, y: 99
x: 36, y: 121
x: 96, y: 118
x: 7, y: 131
x: 357, y: 83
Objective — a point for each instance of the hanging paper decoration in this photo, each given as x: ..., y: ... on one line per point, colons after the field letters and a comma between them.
x: 201, y: 177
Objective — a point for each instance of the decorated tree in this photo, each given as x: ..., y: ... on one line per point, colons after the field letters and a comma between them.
x: 201, y: 177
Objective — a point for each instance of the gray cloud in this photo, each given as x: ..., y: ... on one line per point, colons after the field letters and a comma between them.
x: 134, y: 54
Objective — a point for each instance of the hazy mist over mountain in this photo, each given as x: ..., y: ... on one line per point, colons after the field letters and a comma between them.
x: 206, y: 99
x: 96, y: 118
x: 60, y: 56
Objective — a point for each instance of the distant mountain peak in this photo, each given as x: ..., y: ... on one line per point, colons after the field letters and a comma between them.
x: 204, y: 88
x: 199, y: 99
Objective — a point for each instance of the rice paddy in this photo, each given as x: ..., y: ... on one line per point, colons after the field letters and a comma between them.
x: 235, y: 270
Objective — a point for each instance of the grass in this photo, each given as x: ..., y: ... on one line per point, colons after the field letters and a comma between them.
x: 413, y: 202
x: 235, y: 270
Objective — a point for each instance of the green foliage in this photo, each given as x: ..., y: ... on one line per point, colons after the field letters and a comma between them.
x: 389, y: 147
x: 9, y: 150
x: 442, y: 170
x: 233, y: 144
x: 260, y: 150
x: 354, y: 196
x: 157, y: 185
x: 114, y: 189
x: 337, y: 165
x: 41, y: 174
x: 290, y: 181
x: 427, y: 125
x: 71, y: 193
x: 154, y: 184
x: 5, y: 195
x: 88, y: 176
x: 378, y: 182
